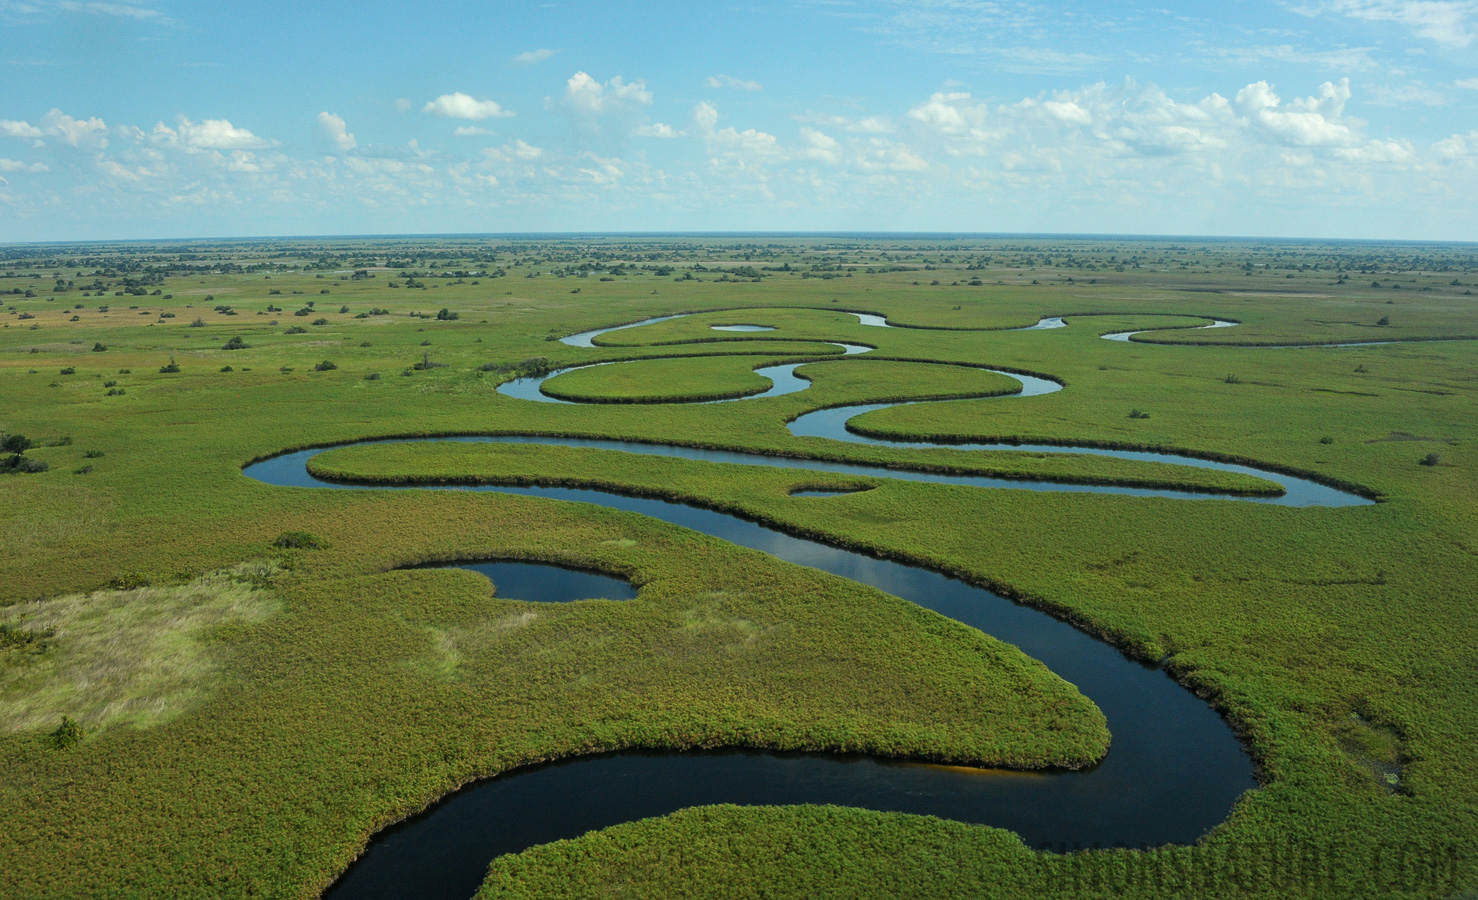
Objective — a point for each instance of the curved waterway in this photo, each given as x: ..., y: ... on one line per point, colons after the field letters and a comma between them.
x: 1173, y: 772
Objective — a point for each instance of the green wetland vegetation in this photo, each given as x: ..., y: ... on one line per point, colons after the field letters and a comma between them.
x: 210, y: 686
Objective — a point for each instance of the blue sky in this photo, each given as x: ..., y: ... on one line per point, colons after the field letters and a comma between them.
x: 1332, y: 118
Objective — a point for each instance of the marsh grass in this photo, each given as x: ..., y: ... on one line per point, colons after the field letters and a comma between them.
x: 136, y: 657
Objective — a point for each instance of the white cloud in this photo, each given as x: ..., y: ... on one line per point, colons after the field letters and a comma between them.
x: 1068, y: 112
x: 1445, y: 22
x: 728, y: 81
x: 1459, y: 146
x: 604, y: 112
x: 881, y: 155
x: 1305, y: 122
x: 820, y: 146
x: 1468, y: 83
x: 743, y: 148
x: 403, y: 105
x: 210, y: 134
x: 463, y: 106
x: 950, y: 113
x: 657, y: 130
x: 516, y: 149
x: 865, y: 125
x: 472, y: 131
x: 15, y: 165
x: 77, y: 132
x: 9, y: 128
x: 586, y: 96
x: 532, y: 57
x: 1378, y: 152
x: 333, y: 128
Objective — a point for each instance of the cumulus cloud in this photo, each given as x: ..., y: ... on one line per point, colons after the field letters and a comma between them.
x: 90, y: 132
x: 532, y: 57
x: 9, y: 128
x: 606, y: 112
x: 1305, y: 122
x: 464, y: 106
x: 586, y: 96
x: 729, y: 144
x: 472, y: 131
x: 950, y: 113
x: 1467, y: 83
x: 820, y: 146
x: 333, y: 128
x: 1067, y: 111
x: 1459, y: 146
x: 210, y: 134
x: 729, y: 81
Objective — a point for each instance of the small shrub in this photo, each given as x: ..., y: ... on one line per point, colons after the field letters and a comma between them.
x: 226, y: 369
x: 286, y: 370
x: 1384, y: 320
x: 373, y: 376
x: 296, y: 329
x: 1432, y: 459
x: 99, y: 347
x: 1233, y: 379
x: 344, y: 309
x: 325, y: 366
x: 170, y: 369
x: 115, y: 392
x: 236, y: 343
x: 320, y: 321
x: 324, y: 291
x: 14, y: 636
x: 196, y: 322
x: 82, y: 471
x: 299, y: 540
x: 69, y: 370
x: 16, y: 443
x: 446, y: 315
x: 68, y: 734
x: 93, y: 454
x: 1137, y: 414
x: 365, y: 344
x: 1326, y: 440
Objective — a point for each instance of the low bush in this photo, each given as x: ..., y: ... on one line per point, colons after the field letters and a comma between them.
x: 325, y: 366
x: 68, y: 734
x: 299, y: 540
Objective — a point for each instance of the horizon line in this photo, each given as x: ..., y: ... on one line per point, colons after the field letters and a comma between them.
x: 867, y: 235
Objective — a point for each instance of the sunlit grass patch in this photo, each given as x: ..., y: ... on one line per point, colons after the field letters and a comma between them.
x: 136, y: 657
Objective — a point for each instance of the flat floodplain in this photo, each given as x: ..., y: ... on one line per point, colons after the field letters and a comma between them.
x: 267, y: 706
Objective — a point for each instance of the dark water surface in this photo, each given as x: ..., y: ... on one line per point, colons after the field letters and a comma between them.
x: 544, y: 582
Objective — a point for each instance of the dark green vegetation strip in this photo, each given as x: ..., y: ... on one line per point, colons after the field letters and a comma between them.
x: 1338, y: 641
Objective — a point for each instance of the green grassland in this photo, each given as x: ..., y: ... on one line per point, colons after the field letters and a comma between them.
x: 258, y: 721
